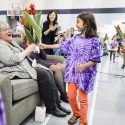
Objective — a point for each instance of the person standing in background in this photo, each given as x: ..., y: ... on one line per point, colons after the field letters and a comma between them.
x: 113, y: 47
x: 50, y: 30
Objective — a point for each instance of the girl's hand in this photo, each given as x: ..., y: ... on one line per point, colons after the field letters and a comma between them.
x: 42, y: 46
x: 52, y: 28
x: 80, y: 67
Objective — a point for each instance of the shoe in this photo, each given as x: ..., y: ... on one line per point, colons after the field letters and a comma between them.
x: 113, y: 61
x: 64, y: 110
x: 56, y: 112
x: 65, y: 99
x: 73, y: 119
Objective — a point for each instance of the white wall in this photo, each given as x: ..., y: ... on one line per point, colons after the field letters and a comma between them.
x: 7, y: 4
x: 65, y: 4
x: 68, y: 4
x: 3, y: 18
x: 69, y: 20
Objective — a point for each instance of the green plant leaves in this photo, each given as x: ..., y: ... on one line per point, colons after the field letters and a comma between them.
x: 28, y: 35
x: 120, y: 33
x: 37, y: 18
x: 35, y: 23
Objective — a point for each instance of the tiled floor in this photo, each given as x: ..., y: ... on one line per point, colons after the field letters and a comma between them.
x: 106, y: 102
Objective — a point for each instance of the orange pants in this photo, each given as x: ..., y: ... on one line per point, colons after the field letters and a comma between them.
x: 83, y: 99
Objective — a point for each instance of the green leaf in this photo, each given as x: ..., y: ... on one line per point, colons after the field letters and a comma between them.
x: 35, y: 37
x: 28, y: 35
x: 34, y: 25
x: 37, y: 18
x: 26, y: 23
x: 120, y: 33
x: 124, y: 35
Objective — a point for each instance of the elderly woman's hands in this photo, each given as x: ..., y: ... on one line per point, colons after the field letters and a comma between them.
x: 27, y: 51
x: 31, y: 48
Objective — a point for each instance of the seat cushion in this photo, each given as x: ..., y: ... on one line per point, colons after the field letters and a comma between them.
x: 22, y: 88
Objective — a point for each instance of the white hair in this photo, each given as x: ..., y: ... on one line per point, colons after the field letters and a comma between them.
x: 3, y: 25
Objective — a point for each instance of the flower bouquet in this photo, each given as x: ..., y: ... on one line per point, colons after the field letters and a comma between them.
x: 32, y: 24
x: 32, y: 27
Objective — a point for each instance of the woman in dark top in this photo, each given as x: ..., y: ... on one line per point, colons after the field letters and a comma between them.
x: 57, y: 68
x: 50, y: 30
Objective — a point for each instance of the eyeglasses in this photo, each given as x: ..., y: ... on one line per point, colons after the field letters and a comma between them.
x: 6, y: 29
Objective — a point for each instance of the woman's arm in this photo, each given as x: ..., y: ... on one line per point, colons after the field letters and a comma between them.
x: 27, y: 51
x: 48, y: 30
x: 9, y: 57
x: 45, y: 46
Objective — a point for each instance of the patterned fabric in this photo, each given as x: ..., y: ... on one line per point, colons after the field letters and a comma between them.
x: 2, y: 112
x: 81, y: 50
x: 10, y: 63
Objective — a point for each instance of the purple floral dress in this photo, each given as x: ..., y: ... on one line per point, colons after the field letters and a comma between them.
x: 81, y: 50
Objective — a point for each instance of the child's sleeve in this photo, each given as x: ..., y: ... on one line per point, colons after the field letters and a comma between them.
x: 64, y: 46
x: 95, y: 51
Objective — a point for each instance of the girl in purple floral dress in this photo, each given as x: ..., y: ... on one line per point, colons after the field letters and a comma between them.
x: 83, y: 54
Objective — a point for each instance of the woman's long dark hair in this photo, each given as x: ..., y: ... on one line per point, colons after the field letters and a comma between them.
x: 48, y: 20
x: 89, y: 20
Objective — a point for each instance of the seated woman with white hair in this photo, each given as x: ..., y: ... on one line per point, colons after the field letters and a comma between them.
x: 15, y: 64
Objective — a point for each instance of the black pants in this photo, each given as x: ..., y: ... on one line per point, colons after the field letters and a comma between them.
x: 49, y: 51
x: 112, y: 53
x: 47, y: 88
